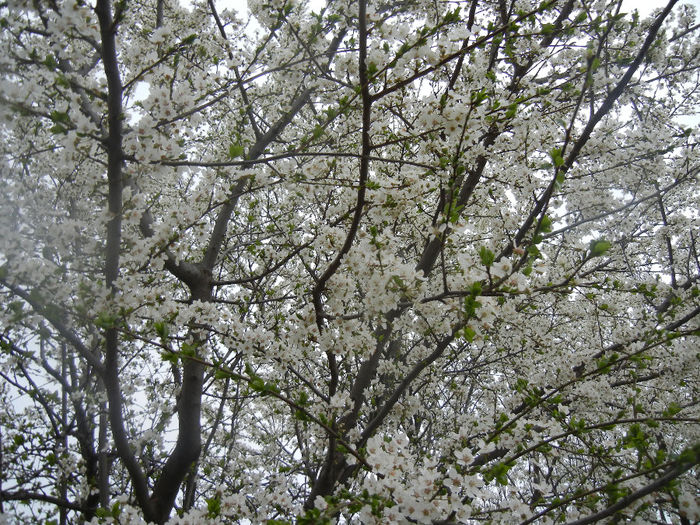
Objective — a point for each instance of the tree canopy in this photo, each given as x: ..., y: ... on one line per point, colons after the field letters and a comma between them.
x: 397, y: 261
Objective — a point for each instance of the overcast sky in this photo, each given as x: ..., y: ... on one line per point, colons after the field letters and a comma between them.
x: 646, y: 6
x: 643, y: 6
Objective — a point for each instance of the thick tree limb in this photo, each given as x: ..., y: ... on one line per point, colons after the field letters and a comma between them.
x: 113, y: 143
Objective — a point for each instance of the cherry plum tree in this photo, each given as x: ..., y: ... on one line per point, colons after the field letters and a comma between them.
x: 362, y: 262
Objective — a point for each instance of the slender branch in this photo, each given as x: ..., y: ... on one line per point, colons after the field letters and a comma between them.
x: 57, y: 322
x: 595, y: 490
x: 241, y: 87
x: 464, y: 50
x: 674, y: 472
x: 255, y: 151
x: 669, y: 247
x: 460, y: 60
x: 20, y: 495
x: 604, y: 109
x: 288, y: 155
x: 384, y: 410
x: 619, y: 209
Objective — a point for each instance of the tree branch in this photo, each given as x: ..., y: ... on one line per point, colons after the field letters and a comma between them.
x: 606, y: 106
x: 103, y: 8
x: 19, y: 495
x: 671, y: 474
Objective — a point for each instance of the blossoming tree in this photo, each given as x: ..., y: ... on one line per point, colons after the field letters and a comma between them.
x: 364, y: 262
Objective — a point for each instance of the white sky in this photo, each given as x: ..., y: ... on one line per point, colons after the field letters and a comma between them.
x: 643, y: 6
x: 646, y: 6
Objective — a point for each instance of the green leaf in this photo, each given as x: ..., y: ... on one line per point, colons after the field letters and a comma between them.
x: 213, y: 506
x: 557, y: 159
x: 50, y: 62
x: 690, y: 454
x: 189, y: 349
x: 271, y: 387
x: 189, y: 39
x: 478, y: 97
x: 398, y: 282
x: 60, y: 117
x: 318, y: 131
x: 235, y: 150
x: 452, y: 16
x: 498, y: 472
x: 161, y: 329
x: 672, y: 410
x: 603, y: 364
x: 222, y: 374
x: 470, y: 306
x: 599, y: 247
x: 62, y: 81
x: 301, y: 415
x: 106, y: 321
x: 303, y: 398
x: 475, y: 289
x: 250, y: 372
x: 170, y: 357
x: 257, y: 384
x: 487, y: 256
x: 469, y: 334
x: 545, y: 224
